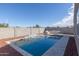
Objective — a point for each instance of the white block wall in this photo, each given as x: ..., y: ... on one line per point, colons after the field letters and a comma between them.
x: 9, y: 32
x: 21, y: 31
x: 6, y: 32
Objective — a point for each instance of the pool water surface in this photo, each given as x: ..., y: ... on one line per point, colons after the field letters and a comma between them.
x: 38, y: 46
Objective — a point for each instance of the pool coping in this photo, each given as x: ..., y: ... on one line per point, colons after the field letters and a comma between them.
x: 24, y: 53
x: 56, y: 47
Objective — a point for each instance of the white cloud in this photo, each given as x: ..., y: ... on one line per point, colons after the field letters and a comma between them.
x: 67, y: 20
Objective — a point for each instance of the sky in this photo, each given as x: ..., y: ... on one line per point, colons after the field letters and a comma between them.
x: 30, y: 14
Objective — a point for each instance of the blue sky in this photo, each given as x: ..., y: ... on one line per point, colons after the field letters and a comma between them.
x: 32, y: 14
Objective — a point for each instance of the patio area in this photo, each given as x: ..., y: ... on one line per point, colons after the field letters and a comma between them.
x: 7, y: 50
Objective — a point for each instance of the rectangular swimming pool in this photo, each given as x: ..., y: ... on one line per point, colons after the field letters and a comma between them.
x: 39, y: 45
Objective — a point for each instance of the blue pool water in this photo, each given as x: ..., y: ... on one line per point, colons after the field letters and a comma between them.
x: 38, y: 46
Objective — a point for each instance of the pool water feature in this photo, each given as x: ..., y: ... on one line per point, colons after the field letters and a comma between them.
x: 38, y: 46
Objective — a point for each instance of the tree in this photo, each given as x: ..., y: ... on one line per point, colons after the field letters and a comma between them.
x: 36, y: 26
x: 4, y: 25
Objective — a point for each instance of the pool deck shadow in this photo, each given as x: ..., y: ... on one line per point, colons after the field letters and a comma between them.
x: 71, y: 48
x: 8, y: 51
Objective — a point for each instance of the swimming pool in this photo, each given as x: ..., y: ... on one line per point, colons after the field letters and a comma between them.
x: 39, y: 45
